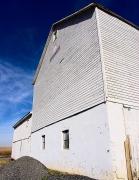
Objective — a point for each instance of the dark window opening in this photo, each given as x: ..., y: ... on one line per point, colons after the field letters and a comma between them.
x: 43, y: 142
x: 54, y: 35
x: 66, y: 139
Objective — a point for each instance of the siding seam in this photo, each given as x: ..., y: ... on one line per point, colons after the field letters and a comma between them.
x: 101, y: 55
x: 132, y: 105
x: 21, y: 139
x: 68, y: 117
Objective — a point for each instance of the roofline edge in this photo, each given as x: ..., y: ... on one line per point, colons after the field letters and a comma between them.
x: 23, y: 119
x: 94, y: 4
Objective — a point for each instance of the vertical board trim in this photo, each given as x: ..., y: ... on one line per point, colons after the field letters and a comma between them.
x: 101, y: 55
x: 128, y: 158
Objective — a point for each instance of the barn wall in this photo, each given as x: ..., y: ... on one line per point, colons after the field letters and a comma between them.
x: 16, y: 150
x: 89, y: 152
x: 22, y: 139
x: 72, y: 80
x: 131, y: 117
x: 21, y: 148
x: 120, y: 48
x: 23, y: 131
x: 117, y: 139
x: 123, y: 122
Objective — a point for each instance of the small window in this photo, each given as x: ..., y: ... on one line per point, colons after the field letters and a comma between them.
x: 54, y: 35
x: 66, y: 139
x: 43, y: 142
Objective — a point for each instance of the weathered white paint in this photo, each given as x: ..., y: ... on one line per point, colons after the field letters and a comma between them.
x: 119, y: 42
x: 22, y: 139
x: 123, y: 121
x: 89, y: 147
x: 131, y: 117
x: 16, y: 150
x: 117, y: 138
x: 120, y: 45
x: 21, y: 148
x: 72, y: 81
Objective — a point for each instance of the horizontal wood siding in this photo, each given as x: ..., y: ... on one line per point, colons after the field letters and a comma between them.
x: 120, y: 44
x: 72, y: 81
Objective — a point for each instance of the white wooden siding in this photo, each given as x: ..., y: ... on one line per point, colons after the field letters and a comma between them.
x: 23, y: 131
x: 22, y: 139
x: 120, y: 44
x: 75, y: 84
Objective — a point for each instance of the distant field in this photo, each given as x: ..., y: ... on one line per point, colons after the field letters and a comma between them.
x: 5, y: 151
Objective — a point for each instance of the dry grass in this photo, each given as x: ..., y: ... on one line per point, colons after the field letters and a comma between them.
x: 54, y: 172
x: 3, y: 162
x: 5, y: 151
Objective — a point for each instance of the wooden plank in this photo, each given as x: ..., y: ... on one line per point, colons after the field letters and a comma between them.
x: 128, y: 158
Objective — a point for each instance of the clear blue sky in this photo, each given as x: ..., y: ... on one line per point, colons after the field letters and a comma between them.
x: 24, y: 27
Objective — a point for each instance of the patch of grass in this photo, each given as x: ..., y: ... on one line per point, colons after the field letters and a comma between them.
x: 3, y: 162
x: 54, y: 172
x: 5, y: 151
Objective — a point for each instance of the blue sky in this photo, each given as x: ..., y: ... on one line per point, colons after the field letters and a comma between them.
x: 24, y: 27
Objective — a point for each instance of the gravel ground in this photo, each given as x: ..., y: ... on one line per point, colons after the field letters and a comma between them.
x: 27, y: 168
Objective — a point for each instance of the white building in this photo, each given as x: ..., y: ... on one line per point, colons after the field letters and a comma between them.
x: 86, y: 96
x: 22, y: 136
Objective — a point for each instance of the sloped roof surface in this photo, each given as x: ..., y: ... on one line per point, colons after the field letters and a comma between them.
x: 72, y: 15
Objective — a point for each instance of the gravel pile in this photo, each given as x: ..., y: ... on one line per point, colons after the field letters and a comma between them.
x: 27, y: 168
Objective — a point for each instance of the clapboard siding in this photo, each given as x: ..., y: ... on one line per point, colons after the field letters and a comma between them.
x: 120, y: 46
x: 73, y: 80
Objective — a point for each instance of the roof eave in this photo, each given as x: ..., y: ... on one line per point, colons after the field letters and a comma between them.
x: 42, y: 56
x: 74, y: 14
x: 24, y: 118
x: 115, y: 15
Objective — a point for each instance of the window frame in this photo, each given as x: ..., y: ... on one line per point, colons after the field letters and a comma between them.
x: 65, y: 139
x: 43, y: 142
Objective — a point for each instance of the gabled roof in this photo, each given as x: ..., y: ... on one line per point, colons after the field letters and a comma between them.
x: 72, y: 15
x: 24, y: 118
